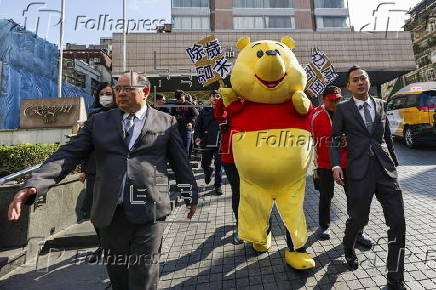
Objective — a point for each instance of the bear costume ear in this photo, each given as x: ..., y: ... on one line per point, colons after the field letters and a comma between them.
x: 288, y: 41
x: 243, y: 42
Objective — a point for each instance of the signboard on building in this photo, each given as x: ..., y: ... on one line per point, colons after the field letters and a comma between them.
x: 52, y: 112
x: 211, y: 64
x: 320, y: 73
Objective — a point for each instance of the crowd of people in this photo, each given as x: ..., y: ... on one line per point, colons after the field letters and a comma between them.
x: 125, y: 141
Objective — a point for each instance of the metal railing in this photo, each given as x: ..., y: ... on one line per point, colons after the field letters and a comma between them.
x: 18, y: 174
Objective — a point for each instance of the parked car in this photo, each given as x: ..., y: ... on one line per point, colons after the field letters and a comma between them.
x: 412, y: 116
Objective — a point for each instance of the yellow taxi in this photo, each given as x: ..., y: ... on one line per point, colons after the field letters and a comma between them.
x: 412, y: 116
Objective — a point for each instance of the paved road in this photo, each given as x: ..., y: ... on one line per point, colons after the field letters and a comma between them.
x: 200, y: 255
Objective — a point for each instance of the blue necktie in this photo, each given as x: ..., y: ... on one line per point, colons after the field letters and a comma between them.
x: 129, y: 126
x: 368, y: 119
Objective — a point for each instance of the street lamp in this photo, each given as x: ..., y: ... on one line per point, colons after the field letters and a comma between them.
x: 61, y: 51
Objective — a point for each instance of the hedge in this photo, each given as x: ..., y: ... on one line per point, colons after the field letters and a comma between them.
x: 17, y: 157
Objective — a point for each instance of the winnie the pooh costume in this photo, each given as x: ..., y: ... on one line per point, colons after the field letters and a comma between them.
x: 271, y: 142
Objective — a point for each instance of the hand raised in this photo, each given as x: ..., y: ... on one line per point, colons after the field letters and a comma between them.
x: 301, y: 102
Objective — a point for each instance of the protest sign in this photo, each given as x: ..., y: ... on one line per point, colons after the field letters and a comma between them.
x: 320, y: 73
x: 211, y: 65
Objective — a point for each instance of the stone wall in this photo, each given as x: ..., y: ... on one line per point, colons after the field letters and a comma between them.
x: 51, y: 214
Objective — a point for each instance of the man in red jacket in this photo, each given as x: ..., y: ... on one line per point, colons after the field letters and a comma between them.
x: 222, y: 116
x: 322, y: 130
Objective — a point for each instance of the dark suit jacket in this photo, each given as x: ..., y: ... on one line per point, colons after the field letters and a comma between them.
x: 348, y: 120
x: 145, y: 164
x: 207, y: 128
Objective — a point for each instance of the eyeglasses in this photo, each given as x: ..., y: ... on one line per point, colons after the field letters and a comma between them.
x: 118, y: 89
x: 216, y: 96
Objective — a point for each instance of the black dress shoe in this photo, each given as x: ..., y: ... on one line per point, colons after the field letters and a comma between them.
x: 397, y: 285
x: 218, y: 191
x: 363, y: 240
x: 207, y: 178
x: 323, y: 233
x: 95, y: 256
x: 351, y: 258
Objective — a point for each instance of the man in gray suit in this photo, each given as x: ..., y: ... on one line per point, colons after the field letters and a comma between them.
x: 371, y: 169
x: 132, y: 145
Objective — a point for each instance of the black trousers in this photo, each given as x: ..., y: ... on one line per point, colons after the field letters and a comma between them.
x: 132, y: 252
x: 89, y: 195
x: 233, y: 178
x: 206, y: 161
x: 187, y: 138
x: 88, y: 200
x: 389, y: 194
x: 326, y: 192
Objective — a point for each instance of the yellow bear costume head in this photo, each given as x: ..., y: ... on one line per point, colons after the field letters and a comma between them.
x: 267, y: 71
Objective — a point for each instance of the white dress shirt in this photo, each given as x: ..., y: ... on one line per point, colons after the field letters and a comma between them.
x: 360, y: 105
x: 138, y: 124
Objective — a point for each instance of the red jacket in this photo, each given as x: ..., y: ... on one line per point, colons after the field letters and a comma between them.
x: 223, y: 117
x: 322, y: 130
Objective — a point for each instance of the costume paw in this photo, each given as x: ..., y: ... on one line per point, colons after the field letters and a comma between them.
x: 261, y: 248
x: 228, y: 96
x: 301, y: 102
x: 299, y: 261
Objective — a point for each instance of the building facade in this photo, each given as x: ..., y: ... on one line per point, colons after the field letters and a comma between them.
x: 255, y: 15
x: 422, y: 27
x: 163, y: 58
x: 318, y: 24
x: 87, y: 66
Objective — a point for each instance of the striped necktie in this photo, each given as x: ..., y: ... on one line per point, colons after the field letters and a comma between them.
x: 129, y: 126
x: 368, y: 119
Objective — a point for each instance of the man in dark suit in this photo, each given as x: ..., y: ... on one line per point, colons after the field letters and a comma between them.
x: 132, y: 145
x: 207, y: 137
x: 371, y: 169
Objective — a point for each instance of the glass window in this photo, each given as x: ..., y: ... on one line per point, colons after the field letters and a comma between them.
x: 238, y: 3
x: 191, y: 22
x: 263, y: 3
x: 261, y: 22
x: 278, y: 22
x: 331, y: 21
x: 394, y: 103
x: 430, y: 98
x: 248, y: 22
x: 389, y: 106
x: 399, y: 102
x: 190, y: 3
x: 329, y: 4
x: 411, y: 101
x: 254, y: 4
x: 278, y: 4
